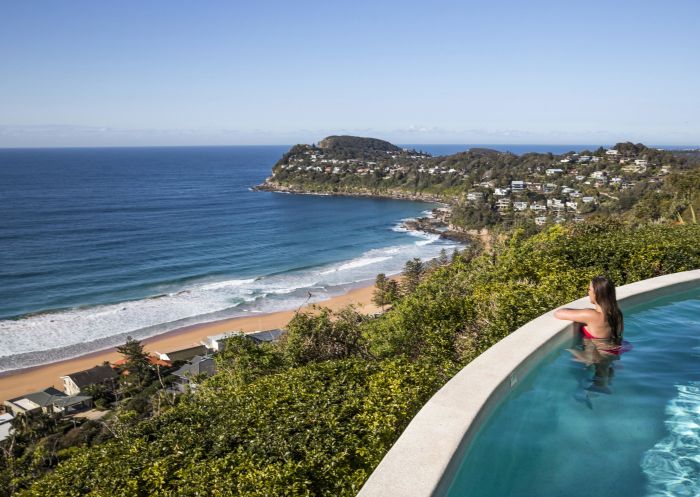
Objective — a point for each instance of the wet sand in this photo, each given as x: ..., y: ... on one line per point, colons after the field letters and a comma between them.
x: 16, y: 383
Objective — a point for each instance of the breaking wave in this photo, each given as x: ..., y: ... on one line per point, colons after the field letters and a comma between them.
x: 56, y: 335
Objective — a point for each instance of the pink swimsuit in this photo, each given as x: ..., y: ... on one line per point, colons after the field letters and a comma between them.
x: 616, y: 350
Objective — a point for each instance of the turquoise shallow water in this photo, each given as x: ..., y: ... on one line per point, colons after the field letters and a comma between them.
x: 567, y: 430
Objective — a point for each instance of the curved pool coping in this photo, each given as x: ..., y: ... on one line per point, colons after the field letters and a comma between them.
x: 423, y: 461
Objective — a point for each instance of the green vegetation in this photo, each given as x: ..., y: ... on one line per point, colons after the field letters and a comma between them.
x: 315, y: 413
x: 584, y: 184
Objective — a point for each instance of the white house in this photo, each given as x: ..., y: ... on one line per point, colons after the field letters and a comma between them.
x: 556, y: 204
x: 553, y: 171
x: 539, y: 221
x: 538, y: 207
x: 5, y: 425
x: 475, y: 196
x: 501, y: 192
x: 503, y: 204
x: 519, y: 206
x: 612, y: 152
x: 588, y: 200
x: 517, y: 186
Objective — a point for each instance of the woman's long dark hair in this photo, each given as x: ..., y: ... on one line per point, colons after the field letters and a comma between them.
x: 604, y: 291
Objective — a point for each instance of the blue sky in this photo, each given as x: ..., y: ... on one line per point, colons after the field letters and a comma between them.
x: 86, y: 73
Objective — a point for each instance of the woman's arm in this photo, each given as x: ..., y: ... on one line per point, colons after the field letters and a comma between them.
x: 579, y: 315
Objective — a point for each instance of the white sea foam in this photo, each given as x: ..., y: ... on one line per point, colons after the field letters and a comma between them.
x: 356, y: 263
x: 226, y: 284
x: 53, y: 336
x: 673, y: 464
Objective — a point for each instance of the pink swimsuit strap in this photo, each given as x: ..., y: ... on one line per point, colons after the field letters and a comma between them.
x: 587, y: 333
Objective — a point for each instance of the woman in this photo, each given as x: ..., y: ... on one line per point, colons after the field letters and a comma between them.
x: 603, y: 325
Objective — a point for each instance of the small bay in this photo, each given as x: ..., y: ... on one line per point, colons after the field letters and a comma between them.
x: 99, y: 243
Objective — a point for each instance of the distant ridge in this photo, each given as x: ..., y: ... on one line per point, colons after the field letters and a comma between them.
x: 356, y: 143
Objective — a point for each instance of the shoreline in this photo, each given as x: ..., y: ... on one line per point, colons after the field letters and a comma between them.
x: 21, y: 381
x: 388, y: 194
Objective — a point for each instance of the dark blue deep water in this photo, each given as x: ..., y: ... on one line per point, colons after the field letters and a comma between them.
x: 99, y: 243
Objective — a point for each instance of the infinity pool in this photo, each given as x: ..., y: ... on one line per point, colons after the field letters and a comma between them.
x: 627, y: 428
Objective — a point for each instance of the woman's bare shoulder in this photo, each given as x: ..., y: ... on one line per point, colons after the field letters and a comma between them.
x: 578, y: 315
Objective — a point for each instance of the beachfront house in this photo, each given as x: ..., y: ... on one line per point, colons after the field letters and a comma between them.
x: 5, y: 425
x: 265, y: 335
x: 182, y: 354
x: 48, y: 401
x: 217, y: 343
x: 195, y: 368
x: 74, y: 383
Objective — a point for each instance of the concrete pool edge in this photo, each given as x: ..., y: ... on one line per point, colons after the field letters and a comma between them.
x: 426, y: 455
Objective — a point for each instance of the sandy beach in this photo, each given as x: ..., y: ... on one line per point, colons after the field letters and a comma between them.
x: 16, y: 383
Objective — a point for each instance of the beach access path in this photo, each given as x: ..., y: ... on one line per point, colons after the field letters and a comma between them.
x: 16, y: 383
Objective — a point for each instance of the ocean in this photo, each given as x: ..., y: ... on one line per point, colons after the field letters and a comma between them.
x: 98, y: 244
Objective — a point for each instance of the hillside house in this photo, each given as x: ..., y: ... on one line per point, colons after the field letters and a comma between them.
x: 475, y: 196
x: 197, y: 367
x: 517, y: 186
x: 503, y: 204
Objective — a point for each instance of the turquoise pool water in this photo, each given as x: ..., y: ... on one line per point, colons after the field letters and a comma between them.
x: 627, y: 428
